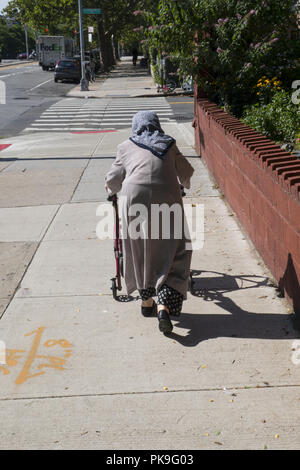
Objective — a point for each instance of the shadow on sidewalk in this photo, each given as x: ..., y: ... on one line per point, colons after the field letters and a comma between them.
x: 237, y: 322
x: 129, y: 73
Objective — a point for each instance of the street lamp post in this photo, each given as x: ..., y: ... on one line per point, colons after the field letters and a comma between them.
x: 26, y: 41
x: 83, y: 83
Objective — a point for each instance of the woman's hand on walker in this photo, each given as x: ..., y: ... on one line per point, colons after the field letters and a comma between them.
x: 106, y: 187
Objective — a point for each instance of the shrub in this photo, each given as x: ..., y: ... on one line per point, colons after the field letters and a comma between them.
x: 279, y: 120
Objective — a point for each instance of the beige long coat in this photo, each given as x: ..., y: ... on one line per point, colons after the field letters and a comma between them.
x: 146, y: 179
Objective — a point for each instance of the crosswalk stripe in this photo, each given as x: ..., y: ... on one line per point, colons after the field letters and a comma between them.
x: 71, y: 115
x: 123, y: 119
x: 61, y: 121
x: 45, y: 129
x: 110, y: 110
x: 68, y: 123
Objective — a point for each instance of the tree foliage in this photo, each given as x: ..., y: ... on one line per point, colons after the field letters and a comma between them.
x: 226, y: 45
x: 61, y: 17
x: 58, y: 16
x: 12, y: 40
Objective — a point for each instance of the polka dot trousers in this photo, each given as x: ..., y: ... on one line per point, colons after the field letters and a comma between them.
x: 167, y: 296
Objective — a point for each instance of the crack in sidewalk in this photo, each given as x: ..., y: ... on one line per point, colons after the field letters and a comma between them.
x: 191, y: 390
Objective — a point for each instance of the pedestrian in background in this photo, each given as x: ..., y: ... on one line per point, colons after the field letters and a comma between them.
x: 134, y: 56
x: 148, y: 169
x: 93, y: 77
x: 88, y: 71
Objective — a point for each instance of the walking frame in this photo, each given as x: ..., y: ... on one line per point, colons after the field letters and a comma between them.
x: 118, y: 251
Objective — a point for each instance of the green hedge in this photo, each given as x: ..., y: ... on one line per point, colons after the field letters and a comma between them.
x: 279, y: 120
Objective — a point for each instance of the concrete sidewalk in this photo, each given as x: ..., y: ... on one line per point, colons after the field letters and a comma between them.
x: 124, y: 81
x: 86, y: 372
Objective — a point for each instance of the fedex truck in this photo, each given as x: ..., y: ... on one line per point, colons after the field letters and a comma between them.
x: 50, y: 49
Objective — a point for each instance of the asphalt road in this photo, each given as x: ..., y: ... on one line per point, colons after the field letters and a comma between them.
x: 29, y: 91
x: 183, y: 107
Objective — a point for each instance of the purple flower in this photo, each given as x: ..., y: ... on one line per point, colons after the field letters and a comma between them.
x: 219, y: 50
x: 252, y: 12
x: 274, y: 40
x: 248, y: 65
x: 257, y: 45
x: 239, y: 17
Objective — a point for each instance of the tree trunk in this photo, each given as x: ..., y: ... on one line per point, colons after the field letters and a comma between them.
x: 116, y: 48
x: 103, y: 46
x: 110, y: 51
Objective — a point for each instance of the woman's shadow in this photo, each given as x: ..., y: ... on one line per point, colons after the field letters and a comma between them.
x: 212, y: 286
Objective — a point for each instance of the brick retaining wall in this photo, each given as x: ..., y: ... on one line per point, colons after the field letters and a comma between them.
x: 261, y: 183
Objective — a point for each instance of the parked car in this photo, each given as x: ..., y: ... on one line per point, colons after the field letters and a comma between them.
x: 22, y: 56
x: 67, y: 69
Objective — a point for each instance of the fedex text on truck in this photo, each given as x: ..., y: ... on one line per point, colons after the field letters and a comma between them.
x: 53, y: 47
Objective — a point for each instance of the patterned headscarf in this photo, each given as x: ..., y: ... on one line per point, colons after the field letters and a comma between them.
x: 148, y: 134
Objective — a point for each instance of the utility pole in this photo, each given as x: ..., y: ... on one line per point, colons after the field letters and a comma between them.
x: 83, y: 83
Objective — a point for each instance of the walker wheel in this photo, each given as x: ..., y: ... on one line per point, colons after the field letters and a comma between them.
x: 191, y: 284
x: 114, y: 288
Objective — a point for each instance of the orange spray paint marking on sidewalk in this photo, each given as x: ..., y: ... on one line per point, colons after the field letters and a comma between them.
x: 12, y: 358
x: 53, y: 362
x: 31, y: 356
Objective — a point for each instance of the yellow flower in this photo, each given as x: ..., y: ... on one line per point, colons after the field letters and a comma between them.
x: 258, y: 93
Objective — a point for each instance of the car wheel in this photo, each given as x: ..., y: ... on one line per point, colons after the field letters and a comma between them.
x: 56, y: 80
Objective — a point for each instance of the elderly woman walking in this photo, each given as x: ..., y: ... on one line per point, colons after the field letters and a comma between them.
x: 148, y: 170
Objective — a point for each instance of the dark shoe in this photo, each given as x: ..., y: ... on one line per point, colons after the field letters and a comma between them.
x: 164, y: 322
x: 149, y: 311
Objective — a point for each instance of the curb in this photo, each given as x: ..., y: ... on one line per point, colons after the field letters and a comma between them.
x: 157, y: 95
x: 18, y: 63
